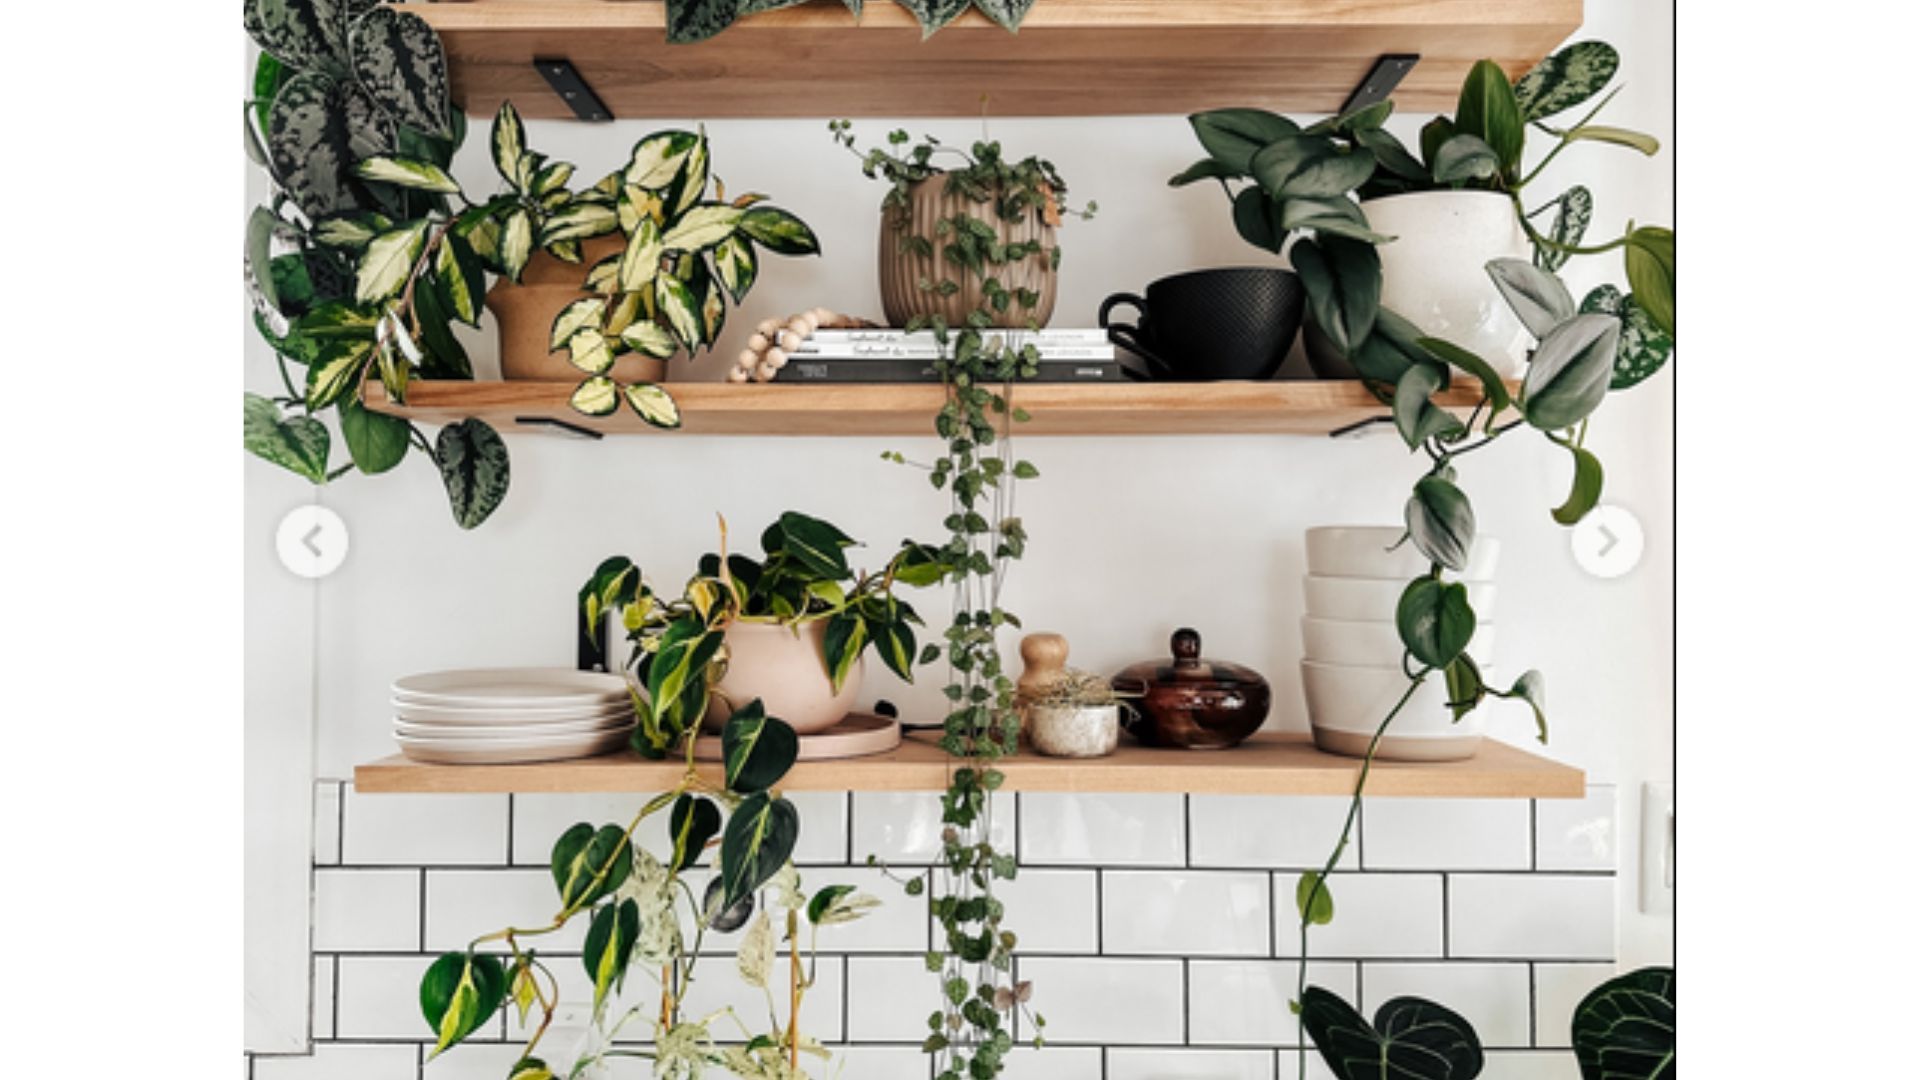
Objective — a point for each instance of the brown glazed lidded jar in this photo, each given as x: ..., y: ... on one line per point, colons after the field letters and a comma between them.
x: 1193, y: 703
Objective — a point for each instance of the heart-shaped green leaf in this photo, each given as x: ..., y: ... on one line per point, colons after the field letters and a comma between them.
x: 1570, y: 371
x: 1313, y: 898
x: 1624, y: 1029
x: 1233, y: 136
x: 759, y: 749
x: 474, y: 469
x: 1414, y: 413
x: 846, y: 637
x: 1342, y: 278
x: 815, y: 544
x: 1464, y: 157
x: 1256, y: 217
x: 758, y: 841
x: 376, y: 441
x: 1440, y: 520
x: 1565, y: 79
x: 1410, y: 1039
x: 1644, y: 348
x: 458, y: 993
x: 1435, y: 620
x: 1650, y: 273
x: 694, y: 821
x: 589, y: 863
x: 299, y: 444
x: 609, y: 944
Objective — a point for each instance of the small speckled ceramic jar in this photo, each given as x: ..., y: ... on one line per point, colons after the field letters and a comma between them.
x: 1074, y: 730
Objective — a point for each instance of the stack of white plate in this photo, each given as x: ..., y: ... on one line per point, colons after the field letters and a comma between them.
x: 493, y: 716
x: 1352, y: 670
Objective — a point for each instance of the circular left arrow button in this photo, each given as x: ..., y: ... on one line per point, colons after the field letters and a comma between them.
x: 312, y: 541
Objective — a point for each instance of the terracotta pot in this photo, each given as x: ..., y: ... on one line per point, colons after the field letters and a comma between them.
x: 1192, y: 702
x: 901, y: 272
x: 524, y: 314
x: 786, y: 668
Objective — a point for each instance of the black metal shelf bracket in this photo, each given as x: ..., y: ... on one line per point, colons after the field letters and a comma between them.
x: 559, y: 425
x: 1380, y: 82
x: 567, y: 82
x: 1360, y: 427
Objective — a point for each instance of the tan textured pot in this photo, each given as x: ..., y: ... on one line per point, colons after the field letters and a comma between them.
x: 901, y: 297
x: 787, y: 671
x: 524, y: 314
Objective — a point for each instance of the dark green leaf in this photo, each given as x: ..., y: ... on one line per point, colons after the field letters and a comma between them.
x: 1257, y: 218
x: 1625, y: 1028
x: 1465, y: 687
x: 589, y: 863
x: 1587, y: 480
x: 1488, y: 109
x: 1433, y: 135
x: 824, y: 900
x: 694, y: 821
x: 1568, y: 376
x: 1565, y: 79
x: 1410, y: 1039
x: 677, y: 677
x: 1394, y: 345
x: 759, y: 838
x: 1233, y: 136
x: 934, y: 14
x: 458, y: 993
x: 1435, y: 620
x: 759, y: 749
x: 778, y: 231
x: 1440, y: 520
x: 376, y: 441
x: 1007, y: 13
x: 846, y: 637
x: 1342, y: 278
x: 474, y: 468
x: 1464, y: 157
x: 609, y: 944
x: 1650, y: 273
x: 1490, y: 382
x: 1538, y: 297
x: 299, y: 444
x: 306, y: 34
x: 1414, y: 413
x: 813, y: 543
x: 398, y: 58
x: 1392, y: 154
x: 1204, y: 169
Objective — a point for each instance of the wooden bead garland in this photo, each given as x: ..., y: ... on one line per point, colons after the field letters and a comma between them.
x: 775, y: 341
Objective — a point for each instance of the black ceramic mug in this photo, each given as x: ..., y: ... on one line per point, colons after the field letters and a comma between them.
x: 1235, y: 323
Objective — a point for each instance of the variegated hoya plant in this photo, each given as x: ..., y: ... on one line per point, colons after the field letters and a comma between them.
x: 643, y: 912
x: 370, y: 249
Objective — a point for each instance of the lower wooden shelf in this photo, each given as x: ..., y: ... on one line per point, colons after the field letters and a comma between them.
x: 1270, y: 763
x: 1284, y: 407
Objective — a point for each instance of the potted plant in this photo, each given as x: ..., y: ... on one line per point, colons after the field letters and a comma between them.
x: 965, y: 232
x: 1405, y: 259
x: 1076, y: 714
x: 789, y: 629
x: 698, y: 20
x: 1624, y: 1029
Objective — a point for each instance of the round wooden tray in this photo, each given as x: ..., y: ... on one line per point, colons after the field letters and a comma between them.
x: 858, y: 735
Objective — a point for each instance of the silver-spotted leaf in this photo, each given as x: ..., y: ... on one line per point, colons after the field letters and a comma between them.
x: 1565, y: 79
x: 398, y: 58
x: 473, y: 467
x: 1573, y: 212
x: 310, y: 143
x: 298, y: 444
x: 1007, y: 13
x: 1644, y: 348
x: 306, y: 34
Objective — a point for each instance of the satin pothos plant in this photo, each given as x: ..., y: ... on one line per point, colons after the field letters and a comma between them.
x: 646, y: 922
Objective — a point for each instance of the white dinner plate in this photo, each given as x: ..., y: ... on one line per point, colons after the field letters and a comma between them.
x: 508, y: 751
x: 497, y: 688
x: 511, y: 731
x: 516, y: 715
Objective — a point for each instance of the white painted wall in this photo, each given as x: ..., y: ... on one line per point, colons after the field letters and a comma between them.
x: 1131, y: 537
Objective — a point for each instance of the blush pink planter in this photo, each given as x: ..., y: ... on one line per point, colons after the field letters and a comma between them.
x: 786, y: 668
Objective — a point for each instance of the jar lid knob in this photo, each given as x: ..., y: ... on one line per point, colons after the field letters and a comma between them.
x: 1186, y: 647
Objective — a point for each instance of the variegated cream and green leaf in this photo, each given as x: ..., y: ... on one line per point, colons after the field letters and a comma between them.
x: 650, y: 338
x: 336, y: 370
x: 640, y: 261
x: 657, y: 158
x: 652, y: 403
x: 737, y: 265
x: 388, y: 262
x: 406, y: 172
x: 516, y: 242
x: 680, y: 308
x: 579, y: 221
x: 610, y: 937
x: 702, y: 227
x: 461, y: 279
x: 510, y: 148
x: 576, y: 316
x: 590, y: 351
x: 459, y: 992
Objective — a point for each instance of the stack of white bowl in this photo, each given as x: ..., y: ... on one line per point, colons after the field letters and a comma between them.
x: 494, y: 716
x: 1352, y: 671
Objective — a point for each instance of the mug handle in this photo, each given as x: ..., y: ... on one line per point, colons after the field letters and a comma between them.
x: 1129, y: 335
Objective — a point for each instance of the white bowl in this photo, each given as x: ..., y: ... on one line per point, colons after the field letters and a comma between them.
x: 1345, y: 706
x: 1373, y: 643
x: 1375, y: 600
x: 1361, y: 551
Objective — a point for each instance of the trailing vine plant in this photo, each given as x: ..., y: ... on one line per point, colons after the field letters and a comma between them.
x: 698, y: 20
x: 970, y: 1030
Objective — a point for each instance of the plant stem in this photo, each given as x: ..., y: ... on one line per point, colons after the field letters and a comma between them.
x: 1346, y: 832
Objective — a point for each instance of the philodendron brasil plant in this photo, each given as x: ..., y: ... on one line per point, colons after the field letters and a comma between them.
x: 969, y: 1030
x: 697, y: 20
x: 1298, y: 180
x: 678, y: 648
x: 1623, y: 1029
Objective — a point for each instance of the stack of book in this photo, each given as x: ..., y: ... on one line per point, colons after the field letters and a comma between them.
x: 896, y: 356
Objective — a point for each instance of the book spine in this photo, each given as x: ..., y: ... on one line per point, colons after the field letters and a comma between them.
x: 802, y: 369
x: 877, y: 351
x: 925, y: 337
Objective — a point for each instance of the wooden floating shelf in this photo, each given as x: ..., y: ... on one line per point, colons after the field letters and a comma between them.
x: 1303, y: 407
x: 1070, y: 58
x: 1268, y: 764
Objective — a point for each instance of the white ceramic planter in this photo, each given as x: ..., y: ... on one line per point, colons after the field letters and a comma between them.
x: 786, y: 668
x: 1374, y: 643
x: 1376, y: 599
x: 1346, y: 704
x: 1434, y: 271
x: 1368, y: 551
x: 1074, y: 730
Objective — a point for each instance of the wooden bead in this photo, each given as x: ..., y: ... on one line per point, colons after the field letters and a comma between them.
x: 747, y: 360
x: 798, y: 324
x: 776, y: 357
x: 767, y: 326
x: 823, y: 317
x: 738, y: 375
x: 766, y: 372
x: 758, y: 343
x: 789, y: 340
x: 812, y: 320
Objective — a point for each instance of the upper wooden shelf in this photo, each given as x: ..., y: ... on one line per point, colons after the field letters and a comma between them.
x: 1268, y: 764
x: 1302, y: 407
x: 1070, y: 58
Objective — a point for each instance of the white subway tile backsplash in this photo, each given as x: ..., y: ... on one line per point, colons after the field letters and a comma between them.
x: 1494, y: 998
x: 1289, y: 832
x: 366, y: 910
x: 1531, y: 916
x: 899, y: 924
x: 1190, y: 913
x: 889, y: 998
x: 1577, y: 834
x: 1189, y: 1064
x: 1052, y: 1063
x: 1102, y: 829
x: 322, y: 997
x: 1244, y: 1002
x: 820, y: 1013
x: 1557, y: 991
x: 326, y: 822
x: 1053, y: 911
x: 1531, y: 1065
x: 856, y: 1062
x: 464, y: 904
x: 1289, y: 1066
x: 1447, y: 834
x: 1103, y: 1000
x: 1400, y: 916
x: 429, y: 830
x: 474, y: 1061
x: 337, y: 1061
x: 903, y: 827
x: 379, y: 998
x: 539, y: 819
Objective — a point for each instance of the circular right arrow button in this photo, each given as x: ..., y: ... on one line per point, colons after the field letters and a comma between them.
x: 1608, y: 542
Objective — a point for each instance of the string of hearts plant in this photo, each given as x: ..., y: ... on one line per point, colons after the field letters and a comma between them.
x: 969, y: 1032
